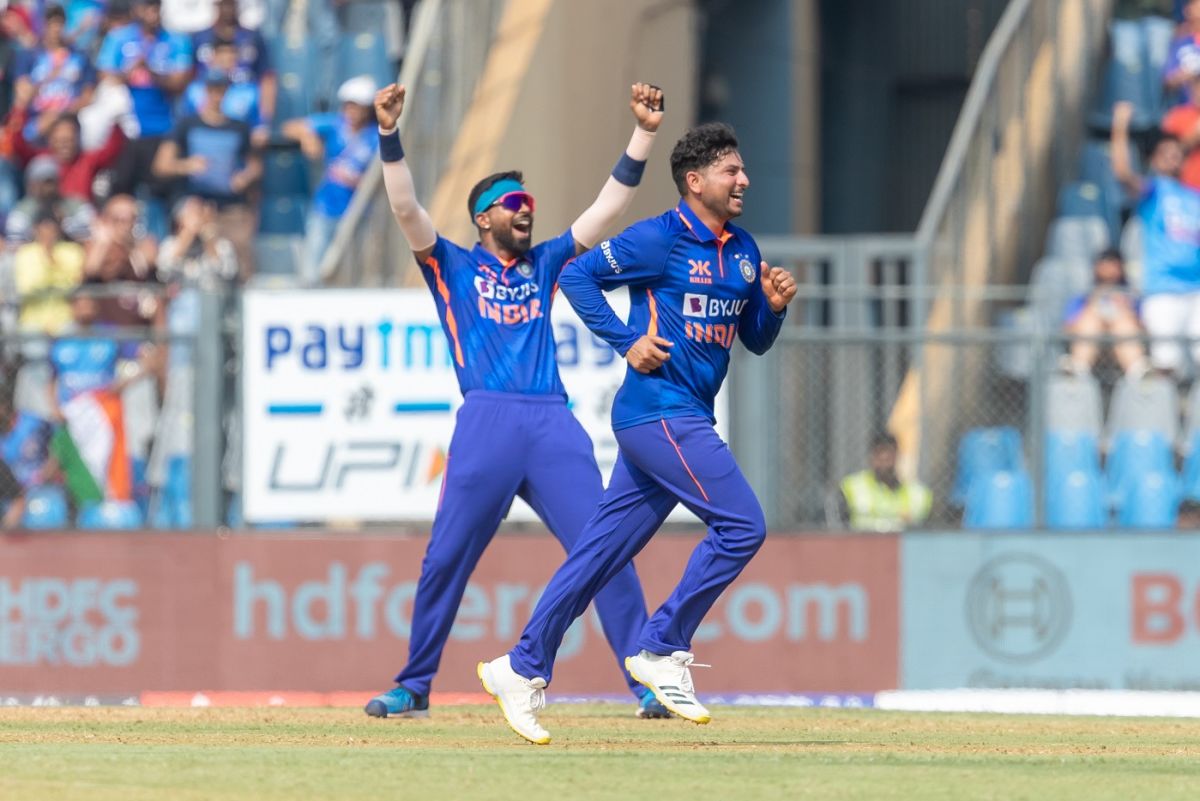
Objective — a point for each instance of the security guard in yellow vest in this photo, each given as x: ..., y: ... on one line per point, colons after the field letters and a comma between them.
x: 877, y: 500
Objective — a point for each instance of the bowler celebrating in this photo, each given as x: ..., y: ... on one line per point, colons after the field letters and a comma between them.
x: 514, y: 434
x: 695, y: 283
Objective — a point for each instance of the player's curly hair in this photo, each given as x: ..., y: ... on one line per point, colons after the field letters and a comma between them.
x: 487, y: 183
x: 699, y: 147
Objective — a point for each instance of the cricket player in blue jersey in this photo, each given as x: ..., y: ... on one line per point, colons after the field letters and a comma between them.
x: 514, y: 434
x: 696, y: 283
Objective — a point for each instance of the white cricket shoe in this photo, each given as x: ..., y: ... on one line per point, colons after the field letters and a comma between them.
x: 519, y: 698
x: 670, y: 680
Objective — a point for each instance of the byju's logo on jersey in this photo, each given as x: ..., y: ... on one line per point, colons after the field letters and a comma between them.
x: 700, y: 272
x: 485, y: 288
x: 606, y: 249
x: 695, y: 305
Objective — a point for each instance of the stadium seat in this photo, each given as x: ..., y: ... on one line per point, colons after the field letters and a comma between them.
x: 1191, y: 420
x: 1072, y: 451
x: 111, y: 515
x: 1191, y: 470
x: 1131, y: 249
x: 1054, y: 283
x: 1081, y: 199
x: 1124, y: 77
x: 1157, y: 33
x: 1075, y: 500
x: 174, y: 507
x: 1147, y: 404
x: 1095, y: 167
x: 283, y: 214
x: 295, y: 63
x: 1133, y: 454
x: 1000, y: 500
x: 46, y: 508
x: 285, y: 172
x: 1073, y: 403
x: 1152, y: 501
x: 364, y: 54
x: 278, y: 255
x: 982, y: 452
x: 1078, y: 238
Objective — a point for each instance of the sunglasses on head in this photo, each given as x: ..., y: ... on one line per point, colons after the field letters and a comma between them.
x: 513, y: 201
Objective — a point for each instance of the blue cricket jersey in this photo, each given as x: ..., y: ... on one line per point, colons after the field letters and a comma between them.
x: 1170, y: 215
x: 496, y: 315
x: 687, y: 285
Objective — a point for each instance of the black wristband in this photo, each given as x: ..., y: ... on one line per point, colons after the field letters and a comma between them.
x: 389, y: 146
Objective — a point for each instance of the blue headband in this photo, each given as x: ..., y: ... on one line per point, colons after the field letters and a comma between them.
x: 495, y: 192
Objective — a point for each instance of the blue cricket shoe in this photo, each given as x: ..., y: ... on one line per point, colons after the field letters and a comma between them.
x: 400, y: 703
x: 650, y: 708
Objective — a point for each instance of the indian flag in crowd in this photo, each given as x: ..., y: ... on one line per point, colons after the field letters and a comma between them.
x: 90, y: 448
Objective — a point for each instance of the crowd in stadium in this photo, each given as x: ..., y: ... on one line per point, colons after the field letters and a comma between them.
x: 132, y: 148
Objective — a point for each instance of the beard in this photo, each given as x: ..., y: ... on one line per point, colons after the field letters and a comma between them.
x: 509, y: 241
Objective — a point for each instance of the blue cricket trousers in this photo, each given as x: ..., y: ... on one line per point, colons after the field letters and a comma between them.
x: 660, y: 464
x: 505, y: 445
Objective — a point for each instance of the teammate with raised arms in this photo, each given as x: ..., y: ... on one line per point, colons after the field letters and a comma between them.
x: 514, y: 435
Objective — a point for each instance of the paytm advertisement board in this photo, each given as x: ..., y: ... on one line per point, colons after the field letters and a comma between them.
x: 1105, y: 611
x: 348, y: 402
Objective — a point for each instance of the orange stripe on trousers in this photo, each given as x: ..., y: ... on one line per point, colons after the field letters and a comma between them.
x: 667, y: 431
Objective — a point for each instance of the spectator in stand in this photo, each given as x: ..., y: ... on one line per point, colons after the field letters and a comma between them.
x: 120, y: 251
x: 52, y: 79
x: 78, y: 167
x: 193, y: 16
x: 84, y: 22
x: 247, y: 63
x: 1170, y: 214
x: 242, y: 98
x: 1183, y: 60
x: 348, y: 142
x: 46, y: 271
x: 24, y: 460
x: 42, y: 198
x: 1108, y: 309
x: 196, y: 254
x: 1183, y: 123
x: 876, y: 499
x: 156, y: 66
x: 213, y: 156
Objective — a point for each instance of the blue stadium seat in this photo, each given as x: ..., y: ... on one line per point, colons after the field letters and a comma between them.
x: 1124, y: 77
x: 295, y: 63
x: 283, y: 214
x: 1072, y: 451
x: 1078, y: 238
x: 1152, y: 501
x: 1075, y: 500
x: 1133, y: 454
x: 983, y: 451
x: 278, y: 255
x: 1081, y: 199
x: 364, y: 54
x: 111, y: 515
x: 1000, y: 500
x: 1191, y: 470
x: 46, y: 508
x: 1095, y: 167
x: 285, y: 172
x: 1157, y: 34
x: 174, y: 509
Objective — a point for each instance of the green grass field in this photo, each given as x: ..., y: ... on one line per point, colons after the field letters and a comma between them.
x: 599, y: 751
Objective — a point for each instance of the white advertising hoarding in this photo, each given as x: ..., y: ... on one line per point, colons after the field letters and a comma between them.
x: 348, y: 402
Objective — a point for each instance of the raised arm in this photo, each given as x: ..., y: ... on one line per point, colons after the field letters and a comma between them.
x: 647, y: 104
x: 415, y: 223
x: 1122, y: 169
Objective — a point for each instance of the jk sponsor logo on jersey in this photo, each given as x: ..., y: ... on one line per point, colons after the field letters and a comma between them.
x: 699, y: 272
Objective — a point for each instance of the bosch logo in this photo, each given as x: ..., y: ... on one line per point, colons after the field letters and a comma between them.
x: 1018, y: 607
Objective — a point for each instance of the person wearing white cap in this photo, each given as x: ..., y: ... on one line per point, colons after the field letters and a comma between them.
x: 347, y: 142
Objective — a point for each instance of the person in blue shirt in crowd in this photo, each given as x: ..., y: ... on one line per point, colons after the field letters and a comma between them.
x: 242, y: 96
x: 52, y: 79
x: 515, y: 434
x: 1170, y: 214
x: 83, y: 22
x: 215, y: 159
x: 248, y: 65
x: 696, y: 284
x: 156, y: 66
x: 347, y: 142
